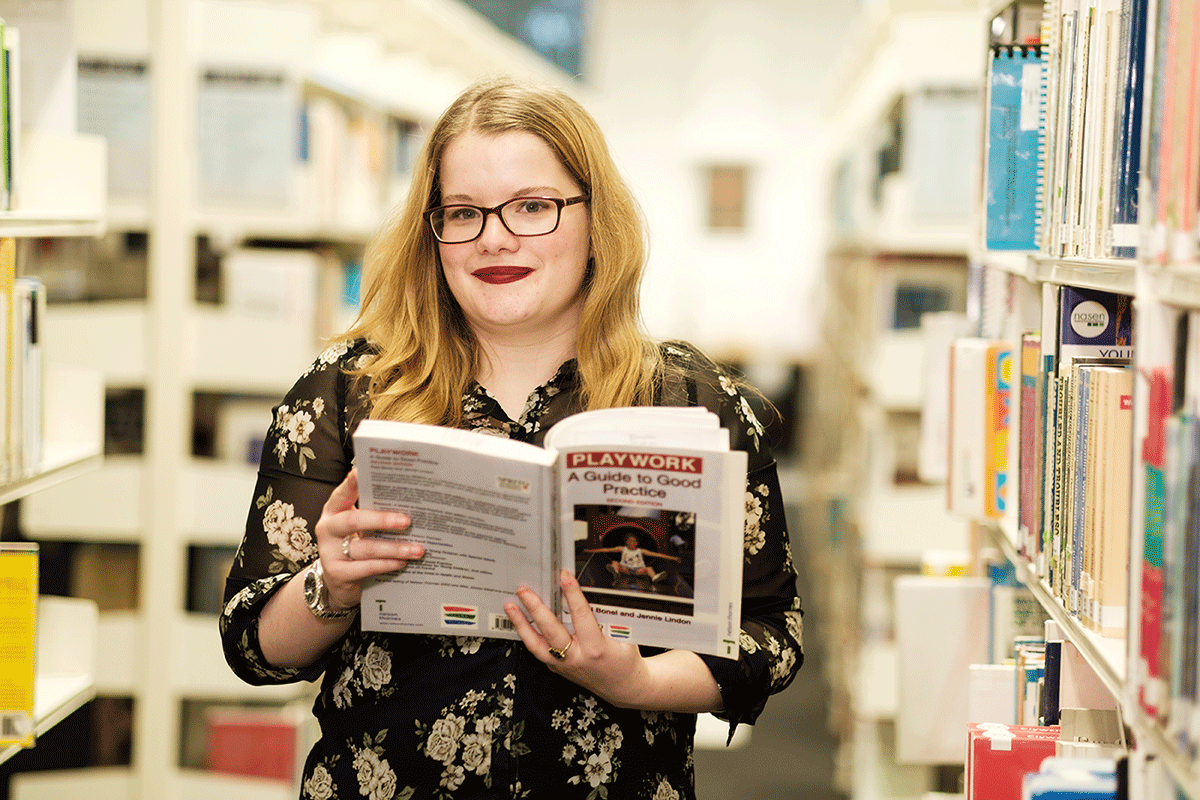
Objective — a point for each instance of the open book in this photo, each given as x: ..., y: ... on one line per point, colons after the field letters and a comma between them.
x: 645, y: 505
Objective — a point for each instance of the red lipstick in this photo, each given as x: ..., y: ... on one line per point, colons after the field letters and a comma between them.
x: 501, y: 274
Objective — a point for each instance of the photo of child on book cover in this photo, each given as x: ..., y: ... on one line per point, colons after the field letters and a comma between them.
x: 632, y: 560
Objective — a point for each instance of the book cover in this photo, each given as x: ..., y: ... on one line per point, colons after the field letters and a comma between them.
x: 18, y: 657
x: 999, y: 756
x: 1094, y: 324
x: 1013, y: 148
x: 495, y: 514
x: 259, y: 743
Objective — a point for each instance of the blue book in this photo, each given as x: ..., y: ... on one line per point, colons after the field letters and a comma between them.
x: 1013, y: 210
x: 1129, y: 132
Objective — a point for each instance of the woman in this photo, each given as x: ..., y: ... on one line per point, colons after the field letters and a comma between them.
x: 501, y: 298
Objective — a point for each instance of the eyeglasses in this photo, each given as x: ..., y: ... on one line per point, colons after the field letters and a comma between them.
x: 521, y: 216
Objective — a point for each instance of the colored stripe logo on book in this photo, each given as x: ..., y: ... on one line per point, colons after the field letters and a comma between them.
x: 618, y: 631
x: 459, y: 615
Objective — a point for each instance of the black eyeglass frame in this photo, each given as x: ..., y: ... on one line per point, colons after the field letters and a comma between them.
x: 558, y: 201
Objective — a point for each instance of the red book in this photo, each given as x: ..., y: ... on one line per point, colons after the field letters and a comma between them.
x: 257, y: 743
x: 999, y: 756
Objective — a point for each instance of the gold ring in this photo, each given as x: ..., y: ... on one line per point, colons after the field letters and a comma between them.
x: 561, y: 654
x: 346, y: 548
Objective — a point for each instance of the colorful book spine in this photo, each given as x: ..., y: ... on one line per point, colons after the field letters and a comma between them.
x: 1029, y: 462
x: 1152, y: 692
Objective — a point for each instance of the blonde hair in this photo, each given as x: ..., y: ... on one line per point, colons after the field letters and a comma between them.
x: 426, y: 354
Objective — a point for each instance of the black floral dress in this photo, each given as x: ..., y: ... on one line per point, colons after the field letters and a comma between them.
x: 407, y: 716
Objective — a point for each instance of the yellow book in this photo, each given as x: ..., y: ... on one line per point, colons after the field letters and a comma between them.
x: 18, y: 641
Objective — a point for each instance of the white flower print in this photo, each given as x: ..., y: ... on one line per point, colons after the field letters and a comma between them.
x: 468, y: 644
x: 318, y: 405
x: 299, y: 427
x: 319, y: 785
x: 452, y: 776
x: 568, y: 753
x: 477, y: 753
x: 444, y: 737
x: 376, y: 667
x: 794, y: 621
x: 341, y: 689
x: 376, y: 780
x: 781, y: 668
x: 755, y: 536
x: 597, y: 769
x: 748, y: 643
x: 289, y: 533
x: 665, y: 791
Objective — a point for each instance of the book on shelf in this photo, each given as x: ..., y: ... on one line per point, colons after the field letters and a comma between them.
x: 980, y: 409
x: 13, y: 123
x: 1062, y: 777
x: 1171, y: 163
x: 1092, y: 127
x: 255, y: 742
x: 1128, y: 147
x: 18, y: 656
x: 1029, y: 455
x: 1091, y: 327
x: 645, y: 506
x: 999, y: 756
x: 941, y: 629
x: 1012, y: 191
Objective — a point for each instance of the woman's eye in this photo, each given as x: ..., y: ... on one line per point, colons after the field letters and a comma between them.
x: 533, y: 206
x: 462, y: 214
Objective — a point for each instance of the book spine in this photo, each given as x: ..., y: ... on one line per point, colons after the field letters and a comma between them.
x: 1129, y: 132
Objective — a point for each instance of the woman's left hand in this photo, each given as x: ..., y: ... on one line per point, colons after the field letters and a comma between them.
x: 614, y: 671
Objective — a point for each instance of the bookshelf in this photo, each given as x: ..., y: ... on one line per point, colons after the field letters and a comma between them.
x: 904, y: 125
x: 188, y: 185
x: 70, y: 399
x: 1079, y: 247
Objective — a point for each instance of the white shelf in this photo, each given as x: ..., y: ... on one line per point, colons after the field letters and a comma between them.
x: 117, y: 783
x: 196, y: 667
x: 104, y: 506
x: 19, y: 224
x: 66, y: 657
x: 1109, y: 275
x: 212, y: 345
x: 1178, y: 285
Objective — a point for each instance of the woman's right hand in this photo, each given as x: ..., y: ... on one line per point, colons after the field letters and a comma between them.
x: 347, y: 556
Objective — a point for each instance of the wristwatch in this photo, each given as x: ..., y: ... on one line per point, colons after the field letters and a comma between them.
x: 317, y: 598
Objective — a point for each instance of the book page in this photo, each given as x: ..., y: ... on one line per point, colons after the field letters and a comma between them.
x: 479, y: 504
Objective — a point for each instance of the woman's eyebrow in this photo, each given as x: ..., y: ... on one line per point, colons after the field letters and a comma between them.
x: 528, y: 191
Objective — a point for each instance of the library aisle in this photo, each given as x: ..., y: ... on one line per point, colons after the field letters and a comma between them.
x: 791, y: 753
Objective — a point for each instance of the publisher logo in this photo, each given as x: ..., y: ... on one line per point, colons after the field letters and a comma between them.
x: 1089, y: 319
x: 457, y: 616
x: 512, y: 484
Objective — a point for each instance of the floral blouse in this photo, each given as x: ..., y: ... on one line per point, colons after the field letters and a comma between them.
x: 413, y: 716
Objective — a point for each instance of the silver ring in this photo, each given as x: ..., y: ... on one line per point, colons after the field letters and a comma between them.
x: 346, y: 548
x: 561, y: 654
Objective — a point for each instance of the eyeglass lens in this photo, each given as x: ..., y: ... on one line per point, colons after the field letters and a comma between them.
x: 523, y: 216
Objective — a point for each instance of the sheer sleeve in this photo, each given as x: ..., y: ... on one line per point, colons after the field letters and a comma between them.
x: 772, y: 619
x: 306, y: 454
